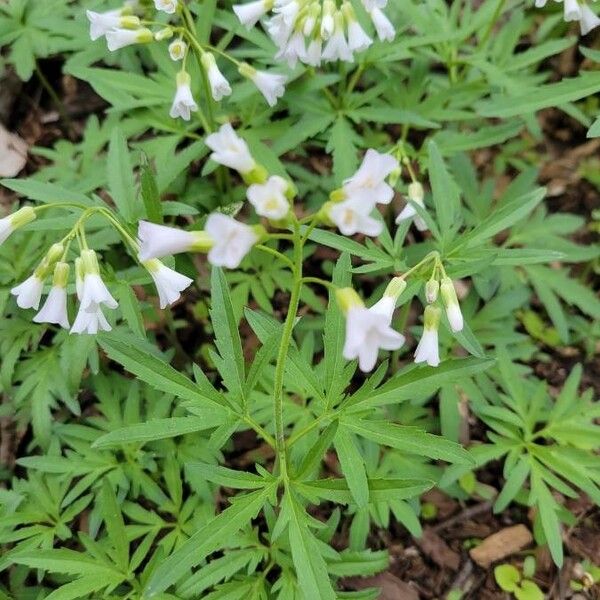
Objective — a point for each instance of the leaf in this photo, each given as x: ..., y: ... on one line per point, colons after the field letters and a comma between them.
x: 513, y: 485
x: 121, y: 182
x: 409, y: 439
x: 130, y: 308
x: 549, y: 95
x: 210, y: 537
x: 65, y: 561
x: 225, y: 477
x: 154, y: 371
x: 227, y: 335
x: 547, y: 511
x: 150, y: 193
x: 84, y: 586
x: 507, y: 577
x: 352, y: 465
x: 310, y: 566
x: 115, y: 527
x: 47, y: 193
x: 160, y: 429
x: 342, y: 143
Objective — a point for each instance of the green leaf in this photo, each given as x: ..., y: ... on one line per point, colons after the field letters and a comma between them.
x: 529, y: 590
x: 210, y: 537
x: 513, y: 485
x: 65, y: 561
x: 353, y: 466
x: 547, y: 511
x: 359, y: 563
x: 409, y: 439
x: 225, y: 477
x: 84, y: 586
x: 342, y: 144
x: 115, y: 527
x: 130, y: 308
x: 121, y: 182
x: 150, y: 193
x: 160, y: 429
x: 507, y: 577
x: 47, y: 193
x: 227, y: 335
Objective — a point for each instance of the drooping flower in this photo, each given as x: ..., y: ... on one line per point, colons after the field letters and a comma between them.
x: 230, y: 150
x: 371, y: 4
x: 328, y: 19
x: 589, y: 20
x: 94, y: 291
x: 358, y: 40
x: 270, y: 85
x: 17, y: 219
x: 91, y: 319
x: 352, y: 216
x: 219, y: 86
x: 169, y: 283
x: 119, y: 38
x: 367, y: 329
x: 269, y: 198
x: 29, y: 293
x: 250, y: 13
x: 368, y: 184
x: 383, y: 26
x: 293, y: 50
x: 427, y: 349
x: 167, y: 6
x: 337, y: 47
x: 232, y: 240
x: 452, y: 305
x: 183, y: 104
x: 416, y: 194
x: 102, y: 23
x: 157, y: 241
x: 432, y: 288
x: 177, y: 50
x: 55, y: 307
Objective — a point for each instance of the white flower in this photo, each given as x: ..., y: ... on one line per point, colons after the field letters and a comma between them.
x: 371, y: 4
x: 55, y: 307
x: 177, y: 50
x: 157, y: 241
x: 270, y: 85
x: 314, y: 51
x: 29, y: 293
x: 230, y: 150
x: 328, y: 22
x: 572, y: 10
x: 93, y: 290
x: 368, y: 330
x: 540, y: 3
x: 167, y: 6
x: 183, y: 103
x: 368, y: 183
x: 427, y: 349
x: 358, y: 40
x: 279, y: 30
x: 90, y: 321
x: 101, y: 23
x: 169, y: 283
x: 269, y: 199
x: 385, y: 29
x: 219, y: 86
x: 416, y: 194
x: 294, y: 49
x: 12, y: 222
x: 119, y: 38
x: 249, y: 14
x: 589, y: 20
x: 232, y: 240
x: 288, y: 9
x: 337, y: 47
x: 351, y: 216
x: 450, y: 299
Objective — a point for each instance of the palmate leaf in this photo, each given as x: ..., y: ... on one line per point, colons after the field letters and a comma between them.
x: 212, y: 536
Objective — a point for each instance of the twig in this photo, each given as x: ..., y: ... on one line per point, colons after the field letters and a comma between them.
x: 467, y: 513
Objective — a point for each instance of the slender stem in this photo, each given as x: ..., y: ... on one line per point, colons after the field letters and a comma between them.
x: 319, y: 281
x: 277, y: 254
x: 260, y: 430
x: 64, y: 117
x: 325, y: 416
x: 284, y: 345
x: 493, y: 20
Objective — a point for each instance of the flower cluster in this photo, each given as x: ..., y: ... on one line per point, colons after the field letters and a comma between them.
x: 577, y: 10
x: 123, y: 27
x: 316, y: 31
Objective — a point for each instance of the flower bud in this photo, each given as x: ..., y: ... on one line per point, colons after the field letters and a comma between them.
x: 61, y: 275
x: 453, y: 311
x: 416, y: 193
x: 432, y: 287
x: 347, y: 298
x: 164, y: 34
x: 395, y: 288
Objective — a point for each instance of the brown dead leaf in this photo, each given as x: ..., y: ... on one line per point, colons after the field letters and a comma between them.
x: 501, y: 544
x: 437, y: 550
x: 391, y: 587
x: 13, y: 153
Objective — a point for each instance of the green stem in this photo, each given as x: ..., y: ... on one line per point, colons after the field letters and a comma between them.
x: 284, y: 345
x: 319, y: 281
x: 277, y: 254
x: 493, y: 20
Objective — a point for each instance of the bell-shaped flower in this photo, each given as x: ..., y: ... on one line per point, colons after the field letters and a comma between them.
x: 232, y: 240
x: 294, y: 50
x: 589, y: 19
x: 183, y: 104
x: 55, y: 307
x: 177, y: 50
x: 29, y: 293
x: 352, y: 216
x: 328, y: 19
x: 269, y: 199
x: 250, y: 13
x: 288, y: 9
x: 270, y: 85
x: 371, y: 4
x: 358, y: 40
x: 453, y: 312
x: 219, y: 86
x: 166, y: 6
x: 314, y: 52
x: 169, y: 283
x: 157, y: 241
x: 337, y: 47
x: 427, y: 349
x: 17, y: 219
x: 572, y: 10
x: 279, y: 30
x: 230, y: 149
x: 383, y: 26
x: 416, y: 194
x: 102, y: 23
x: 94, y: 291
x: 91, y: 319
x: 368, y: 184
x: 367, y: 329
x: 119, y: 38
x: 432, y: 288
